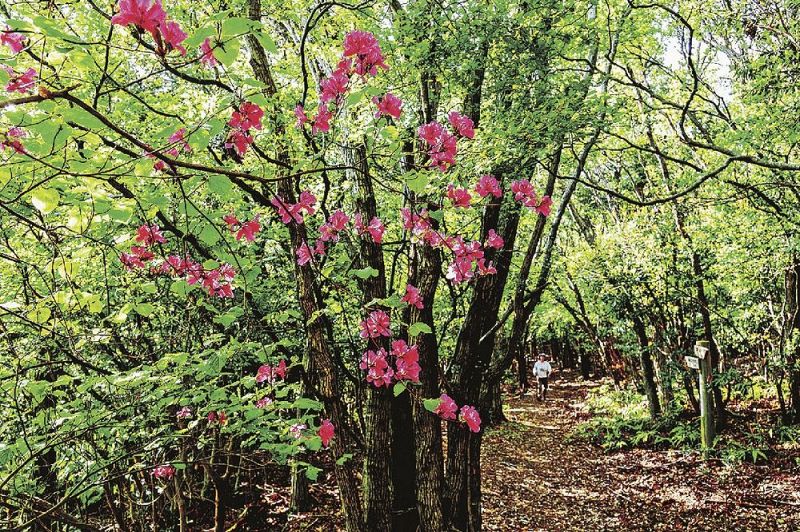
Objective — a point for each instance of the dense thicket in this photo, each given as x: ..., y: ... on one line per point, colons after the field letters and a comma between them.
x: 154, y: 376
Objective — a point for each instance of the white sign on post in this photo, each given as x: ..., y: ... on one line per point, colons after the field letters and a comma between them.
x: 692, y: 362
x: 700, y: 351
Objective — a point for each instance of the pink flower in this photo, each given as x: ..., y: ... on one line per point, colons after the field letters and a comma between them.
x: 304, y: 254
x: 301, y: 115
x: 248, y: 230
x: 493, y: 240
x: 326, y: 431
x: 184, y: 412
x: 447, y: 407
x: 402, y: 351
x: 332, y: 88
x: 338, y: 220
x: 376, y: 230
x: 173, y: 35
x: 377, y: 324
x: 164, y: 472
x: 379, y: 373
x: 217, y: 417
x: 248, y: 116
x: 130, y: 261
x: 486, y: 269
x: 149, y: 235
x: 207, y: 54
x: 412, y: 296
x: 407, y: 371
x: 265, y: 373
x: 287, y: 211
x: 321, y: 123
x: 459, y: 196
x: 140, y: 13
x: 416, y: 223
x: 306, y: 202
x: 471, y: 417
x: 364, y: 48
x: 524, y: 193
x: 389, y: 105
x: 239, y: 140
x: 22, y: 83
x: 179, y: 138
x: 263, y: 402
x: 488, y: 184
x: 544, y: 206
x: 460, y: 270
x: 297, y: 430
x: 14, y: 40
x: 430, y: 132
x: 11, y: 139
x: 461, y: 124
x: 280, y: 369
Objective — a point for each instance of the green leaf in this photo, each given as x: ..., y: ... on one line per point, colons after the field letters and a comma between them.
x: 180, y: 288
x: 418, y: 183
x: 312, y: 473
x: 237, y: 26
x: 144, y: 309
x: 366, y: 273
x: 431, y: 404
x: 419, y: 327
x: 344, y: 458
x: 266, y: 42
x: 220, y: 184
x: 45, y: 199
x: 399, y: 388
x: 306, y: 403
x: 39, y: 315
x: 209, y: 235
x: 227, y: 52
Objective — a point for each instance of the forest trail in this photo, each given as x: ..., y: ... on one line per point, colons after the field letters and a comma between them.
x: 537, y: 478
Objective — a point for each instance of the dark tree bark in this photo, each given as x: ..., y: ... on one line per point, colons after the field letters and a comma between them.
x: 646, y: 360
x: 377, y: 463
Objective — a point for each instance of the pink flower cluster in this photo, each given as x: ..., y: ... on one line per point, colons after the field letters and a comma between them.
x: 247, y: 229
x: 447, y: 410
x: 467, y: 255
x: 217, y: 417
x: 459, y: 196
x: 326, y: 431
x: 15, y: 41
x: 362, y: 55
x: 375, y: 325
x: 378, y: 364
x: 207, y: 54
x: 388, y: 105
x: 11, y: 139
x: 267, y: 373
x: 443, y: 144
x: 525, y: 194
x: 164, y: 472
x: 375, y: 228
x: 217, y: 281
x: 184, y: 413
x: 412, y: 297
x: 23, y: 83
x: 488, y: 184
x: 246, y: 117
x: 294, y: 212
x: 151, y: 18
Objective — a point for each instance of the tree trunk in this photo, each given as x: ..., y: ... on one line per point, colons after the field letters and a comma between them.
x: 648, y: 373
x: 377, y: 463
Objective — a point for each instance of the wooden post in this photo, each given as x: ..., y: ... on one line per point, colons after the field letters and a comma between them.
x: 701, y: 351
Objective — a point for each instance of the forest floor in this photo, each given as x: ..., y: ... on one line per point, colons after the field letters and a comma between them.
x: 538, y: 478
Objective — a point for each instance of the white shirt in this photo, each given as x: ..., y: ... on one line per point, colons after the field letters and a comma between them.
x: 542, y: 369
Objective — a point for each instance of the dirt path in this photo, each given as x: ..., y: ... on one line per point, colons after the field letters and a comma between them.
x: 537, y: 479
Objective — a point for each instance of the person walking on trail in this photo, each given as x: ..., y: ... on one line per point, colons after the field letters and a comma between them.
x: 542, y: 370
